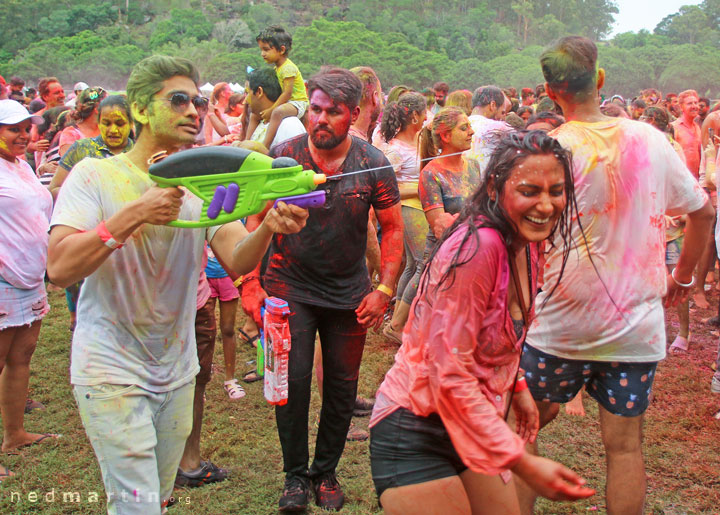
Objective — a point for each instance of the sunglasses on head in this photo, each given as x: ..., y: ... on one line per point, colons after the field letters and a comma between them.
x: 180, y: 101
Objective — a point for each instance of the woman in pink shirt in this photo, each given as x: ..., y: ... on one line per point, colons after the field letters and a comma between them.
x: 439, y: 435
x: 85, y: 119
x: 25, y: 207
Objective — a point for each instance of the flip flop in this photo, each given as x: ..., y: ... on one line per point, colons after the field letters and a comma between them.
x: 250, y: 340
x: 44, y: 436
x: 251, y: 377
x: 679, y: 346
x: 6, y: 473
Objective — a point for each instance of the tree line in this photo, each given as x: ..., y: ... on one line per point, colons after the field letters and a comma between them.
x: 413, y: 42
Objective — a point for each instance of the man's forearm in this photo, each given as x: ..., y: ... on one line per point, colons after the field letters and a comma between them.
x: 76, y: 255
x: 248, y: 253
x: 697, y: 229
x: 391, y: 246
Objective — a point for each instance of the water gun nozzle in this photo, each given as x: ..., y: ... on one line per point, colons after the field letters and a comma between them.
x: 319, y: 178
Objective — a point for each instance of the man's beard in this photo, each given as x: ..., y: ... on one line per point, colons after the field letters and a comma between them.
x: 328, y: 140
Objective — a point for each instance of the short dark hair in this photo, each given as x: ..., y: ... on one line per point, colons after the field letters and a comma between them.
x: 485, y: 95
x: 341, y: 85
x: 570, y: 66
x: 638, y: 103
x: 265, y: 78
x: 16, y: 81
x: 659, y: 116
x: 705, y: 100
x: 147, y: 77
x: 552, y: 119
x: 115, y: 101
x: 523, y: 109
x: 276, y: 37
x: 441, y: 86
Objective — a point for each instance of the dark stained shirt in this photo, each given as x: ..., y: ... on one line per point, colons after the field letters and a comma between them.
x: 324, y: 264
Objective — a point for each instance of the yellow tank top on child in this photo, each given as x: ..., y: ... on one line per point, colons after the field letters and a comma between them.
x: 288, y: 69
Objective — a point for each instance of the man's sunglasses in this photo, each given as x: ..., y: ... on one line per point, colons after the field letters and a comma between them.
x: 180, y: 102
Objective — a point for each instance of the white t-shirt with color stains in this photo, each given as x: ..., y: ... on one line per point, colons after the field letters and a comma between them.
x: 627, y: 177
x: 136, y: 312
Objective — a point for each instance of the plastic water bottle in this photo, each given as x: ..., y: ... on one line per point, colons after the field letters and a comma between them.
x: 277, y: 349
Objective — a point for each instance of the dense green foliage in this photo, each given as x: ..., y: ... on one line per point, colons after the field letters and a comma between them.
x: 415, y: 42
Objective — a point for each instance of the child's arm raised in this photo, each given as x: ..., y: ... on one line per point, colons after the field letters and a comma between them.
x: 287, y: 88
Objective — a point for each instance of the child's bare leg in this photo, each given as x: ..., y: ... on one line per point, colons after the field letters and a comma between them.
x: 253, y: 122
x: 575, y: 406
x: 278, y: 115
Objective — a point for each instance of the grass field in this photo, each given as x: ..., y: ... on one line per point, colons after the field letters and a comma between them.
x: 681, y: 440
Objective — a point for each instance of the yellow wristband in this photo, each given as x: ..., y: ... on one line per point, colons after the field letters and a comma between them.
x: 385, y: 289
x: 238, y: 282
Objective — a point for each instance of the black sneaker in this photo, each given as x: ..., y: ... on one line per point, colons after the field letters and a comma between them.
x: 295, y: 494
x: 328, y: 494
x: 363, y: 407
x: 206, y: 474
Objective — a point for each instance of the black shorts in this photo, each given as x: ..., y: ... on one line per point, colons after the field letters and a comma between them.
x: 406, y: 449
x: 621, y: 388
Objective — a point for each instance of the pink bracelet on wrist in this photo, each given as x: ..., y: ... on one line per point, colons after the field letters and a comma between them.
x: 106, y: 237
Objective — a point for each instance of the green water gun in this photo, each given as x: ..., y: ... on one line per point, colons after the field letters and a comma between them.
x: 235, y: 182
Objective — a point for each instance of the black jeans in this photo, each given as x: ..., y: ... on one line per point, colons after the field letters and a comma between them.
x: 342, y: 340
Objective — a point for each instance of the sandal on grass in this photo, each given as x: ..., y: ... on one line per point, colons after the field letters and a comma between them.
x: 679, y: 346
x: 391, y: 334
x: 233, y: 389
x: 252, y: 376
x: 43, y: 437
x: 5, y: 473
x: 250, y: 340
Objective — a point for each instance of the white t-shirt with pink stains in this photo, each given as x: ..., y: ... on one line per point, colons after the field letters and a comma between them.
x: 25, y: 208
x: 136, y: 312
x: 627, y: 177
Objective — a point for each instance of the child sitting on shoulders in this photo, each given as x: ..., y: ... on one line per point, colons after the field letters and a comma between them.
x: 275, y: 43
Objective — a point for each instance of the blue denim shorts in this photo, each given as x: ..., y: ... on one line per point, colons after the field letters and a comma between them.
x: 621, y: 388
x: 406, y: 449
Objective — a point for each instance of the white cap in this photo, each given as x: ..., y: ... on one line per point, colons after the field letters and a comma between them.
x: 80, y: 86
x: 12, y: 112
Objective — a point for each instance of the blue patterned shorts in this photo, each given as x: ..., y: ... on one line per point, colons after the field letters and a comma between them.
x: 621, y: 388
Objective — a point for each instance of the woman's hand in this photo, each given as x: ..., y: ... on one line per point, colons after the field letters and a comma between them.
x: 551, y: 479
x: 526, y: 416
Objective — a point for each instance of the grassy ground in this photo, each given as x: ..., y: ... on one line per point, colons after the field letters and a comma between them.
x: 680, y: 440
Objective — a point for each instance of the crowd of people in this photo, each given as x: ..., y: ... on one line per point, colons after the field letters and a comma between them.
x: 519, y: 249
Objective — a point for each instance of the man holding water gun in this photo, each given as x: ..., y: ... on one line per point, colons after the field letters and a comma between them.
x: 134, y: 357
x: 321, y: 273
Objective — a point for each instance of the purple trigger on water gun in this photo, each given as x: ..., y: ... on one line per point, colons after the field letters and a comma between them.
x: 216, y: 203
x: 231, y: 197
x: 312, y: 199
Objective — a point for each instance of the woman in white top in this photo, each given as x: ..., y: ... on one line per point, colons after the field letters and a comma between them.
x: 401, y: 124
x: 25, y: 207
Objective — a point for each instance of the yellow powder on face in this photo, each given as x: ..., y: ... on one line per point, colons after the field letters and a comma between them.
x: 114, y: 127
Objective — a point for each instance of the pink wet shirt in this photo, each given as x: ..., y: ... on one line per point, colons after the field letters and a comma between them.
x: 460, y: 353
x: 25, y: 209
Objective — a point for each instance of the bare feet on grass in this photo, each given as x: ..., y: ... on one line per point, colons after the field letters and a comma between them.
x: 575, y: 407
x: 700, y: 300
